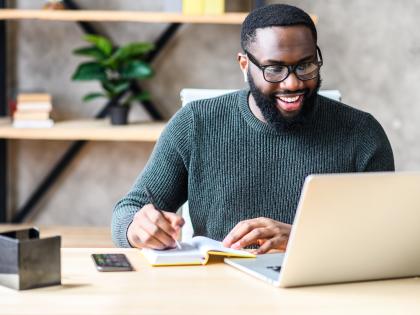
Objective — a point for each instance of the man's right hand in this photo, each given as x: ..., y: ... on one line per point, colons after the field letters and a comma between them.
x: 155, y: 229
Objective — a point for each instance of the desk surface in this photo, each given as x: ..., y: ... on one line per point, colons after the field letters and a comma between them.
x: 212, y: 289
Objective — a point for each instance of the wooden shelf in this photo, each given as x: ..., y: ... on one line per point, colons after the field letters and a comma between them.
x: 120, y: 16
x: 96, y: 130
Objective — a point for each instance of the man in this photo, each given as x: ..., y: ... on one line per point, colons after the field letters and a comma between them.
x: 241, y: 159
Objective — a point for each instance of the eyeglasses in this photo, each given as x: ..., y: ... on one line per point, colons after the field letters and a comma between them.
x: 277, y: 73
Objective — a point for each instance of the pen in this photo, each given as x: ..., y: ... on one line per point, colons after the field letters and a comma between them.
x: 152, y: 201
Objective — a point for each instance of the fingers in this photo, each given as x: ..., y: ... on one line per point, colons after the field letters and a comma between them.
x: 156, y: 222
x: 253, y: 238
x: 155, y: 229
x: 278, y: 242
x: 264, y: 232
x: 141, y: 239
x: 176, y: 221
x: 240, y: 230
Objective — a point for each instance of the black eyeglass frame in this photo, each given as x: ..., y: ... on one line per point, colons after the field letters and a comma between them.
x: 290, y: 68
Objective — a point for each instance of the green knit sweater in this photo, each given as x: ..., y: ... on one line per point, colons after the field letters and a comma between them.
x: 231, y: 166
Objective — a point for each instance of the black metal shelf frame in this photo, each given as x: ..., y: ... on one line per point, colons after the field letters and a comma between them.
x: 3, y: 112
x: 76, y: 146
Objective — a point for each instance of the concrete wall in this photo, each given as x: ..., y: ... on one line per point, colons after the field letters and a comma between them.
x: 371, y: 54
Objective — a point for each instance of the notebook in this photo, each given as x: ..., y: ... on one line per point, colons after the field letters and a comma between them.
x: 348, y: 227
x: 196, y: 251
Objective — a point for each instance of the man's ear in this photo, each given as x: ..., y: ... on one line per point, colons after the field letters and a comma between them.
x: 243, y: 64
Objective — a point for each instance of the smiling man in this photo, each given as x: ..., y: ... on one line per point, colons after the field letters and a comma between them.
x: 241, y: 159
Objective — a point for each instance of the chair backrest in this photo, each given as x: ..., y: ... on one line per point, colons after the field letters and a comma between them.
x: 189, y: 95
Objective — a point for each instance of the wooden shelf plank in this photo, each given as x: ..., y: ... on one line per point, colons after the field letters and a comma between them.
x: 95, y: 130
x: 121, y: 16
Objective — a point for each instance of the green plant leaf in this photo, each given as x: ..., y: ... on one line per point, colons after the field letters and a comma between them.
x: 136, y: 69
x: 93, y: 52
x: 121, y: 87
x: 92, y: 96
x: 128, y: 52
x: 108, y: 87
x: 89, y: 71
x: 101, y: 42
x: 115, y: 88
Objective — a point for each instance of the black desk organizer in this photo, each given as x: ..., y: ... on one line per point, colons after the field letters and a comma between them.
x: 27, y: 262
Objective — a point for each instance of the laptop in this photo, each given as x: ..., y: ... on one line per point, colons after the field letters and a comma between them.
x: 348, y: 227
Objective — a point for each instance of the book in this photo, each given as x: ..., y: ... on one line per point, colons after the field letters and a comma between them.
x: 31, y: 115
x: 34, y: 106
x: 47, y: 123
x: 193, y: 7
x: 196, y: 251
x: 213, y: 7
x: 34, y: 102
x: 34, y: 97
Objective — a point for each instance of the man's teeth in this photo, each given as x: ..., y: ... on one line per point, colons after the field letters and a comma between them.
x: 289, y: 99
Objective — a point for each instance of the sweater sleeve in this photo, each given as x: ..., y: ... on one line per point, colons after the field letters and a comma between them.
x: 165, y: 175
x: 374, y: 152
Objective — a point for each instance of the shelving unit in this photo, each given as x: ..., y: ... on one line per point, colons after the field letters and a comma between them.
x: 88, y: 129
x: 84, y: 130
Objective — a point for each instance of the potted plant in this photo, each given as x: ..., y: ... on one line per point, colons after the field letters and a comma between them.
x: 115, y: 68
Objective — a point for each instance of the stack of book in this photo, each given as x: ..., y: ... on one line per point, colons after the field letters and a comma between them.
x: 33, y: 111
x: 198, y: 7
x: 211, y: 7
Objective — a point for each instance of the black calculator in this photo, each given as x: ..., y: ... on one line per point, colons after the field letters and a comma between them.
x: 112, y: 262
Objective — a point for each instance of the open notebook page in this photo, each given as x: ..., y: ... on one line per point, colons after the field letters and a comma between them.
x: 206, y: 244
x: 192, y: 252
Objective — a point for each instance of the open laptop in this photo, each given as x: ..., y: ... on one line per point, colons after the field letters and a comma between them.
x: 348, y: 227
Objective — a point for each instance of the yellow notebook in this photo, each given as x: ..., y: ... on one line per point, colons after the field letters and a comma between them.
x: 194, y: 252
x: 193, y: 7
x: 214, y: 7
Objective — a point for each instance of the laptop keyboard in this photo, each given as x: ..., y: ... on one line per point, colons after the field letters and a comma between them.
x: 274, y: 268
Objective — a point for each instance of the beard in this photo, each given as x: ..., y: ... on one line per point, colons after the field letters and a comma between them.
x: 274, y: 118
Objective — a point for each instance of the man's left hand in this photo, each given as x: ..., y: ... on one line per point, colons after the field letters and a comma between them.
x: 264, y: 232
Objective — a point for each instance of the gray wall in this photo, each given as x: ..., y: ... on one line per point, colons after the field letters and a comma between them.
x: 371, y: 51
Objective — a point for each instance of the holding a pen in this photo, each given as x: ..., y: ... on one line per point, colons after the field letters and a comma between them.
x: 154, y: 228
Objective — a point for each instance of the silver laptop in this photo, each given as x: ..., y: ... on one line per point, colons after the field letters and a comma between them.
x: 348, y: 227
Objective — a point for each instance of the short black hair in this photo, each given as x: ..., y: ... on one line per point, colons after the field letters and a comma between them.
x: 274, y: 15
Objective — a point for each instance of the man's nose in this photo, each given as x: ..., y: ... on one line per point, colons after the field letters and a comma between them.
x: 291, y: 83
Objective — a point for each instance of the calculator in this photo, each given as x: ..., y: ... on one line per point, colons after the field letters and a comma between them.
x: 112, y: 262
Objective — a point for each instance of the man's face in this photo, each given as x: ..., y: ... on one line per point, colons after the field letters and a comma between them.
x: 287, y: 103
